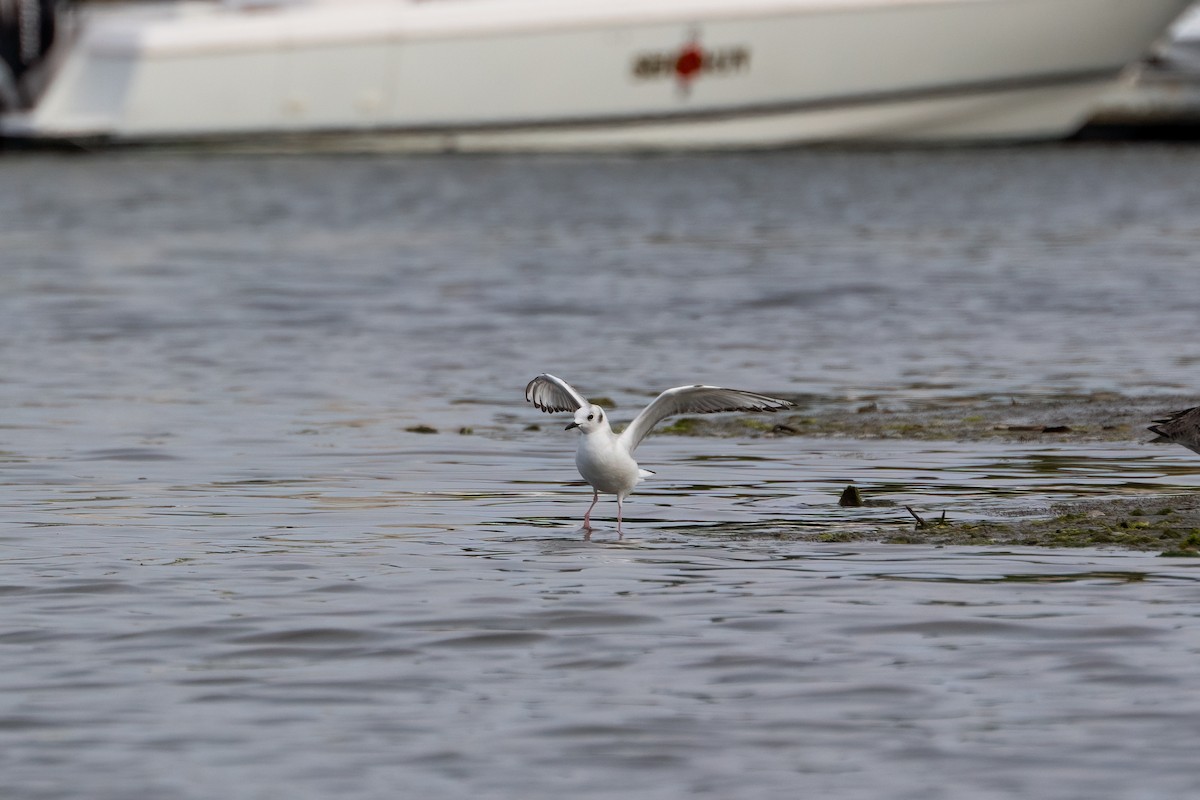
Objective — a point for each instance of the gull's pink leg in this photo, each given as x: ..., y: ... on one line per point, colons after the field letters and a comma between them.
x: 587, y: 518
x: 619, y: 534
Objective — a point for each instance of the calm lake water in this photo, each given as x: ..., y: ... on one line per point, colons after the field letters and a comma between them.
x: 230, y: 567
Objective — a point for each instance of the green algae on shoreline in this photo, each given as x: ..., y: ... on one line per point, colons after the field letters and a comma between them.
x: 1168, y: 524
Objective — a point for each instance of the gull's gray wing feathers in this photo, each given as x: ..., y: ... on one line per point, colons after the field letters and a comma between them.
x: 695, y: 400
x: 553, y: 394
x: 1182, y: 427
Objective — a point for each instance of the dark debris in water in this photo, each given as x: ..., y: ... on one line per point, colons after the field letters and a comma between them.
x: 851, y: 497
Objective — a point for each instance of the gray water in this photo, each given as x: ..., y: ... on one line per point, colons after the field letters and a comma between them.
x: 228, y: 568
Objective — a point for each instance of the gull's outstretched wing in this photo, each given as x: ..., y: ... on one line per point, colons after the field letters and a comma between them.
x: 1182, y: 427
x: 553, y: 394
x: 695, y: 400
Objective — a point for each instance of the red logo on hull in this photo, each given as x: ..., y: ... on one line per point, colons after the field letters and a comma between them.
x: 691, y: 62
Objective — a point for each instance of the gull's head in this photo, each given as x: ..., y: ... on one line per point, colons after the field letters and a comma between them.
x: 589, y: 418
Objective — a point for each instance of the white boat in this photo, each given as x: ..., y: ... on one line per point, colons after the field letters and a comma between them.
x: 577, y: 74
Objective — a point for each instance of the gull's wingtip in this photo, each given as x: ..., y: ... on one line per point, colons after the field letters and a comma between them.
x: 551, y: 394
x: 529, y: 387
x: 763, y: 402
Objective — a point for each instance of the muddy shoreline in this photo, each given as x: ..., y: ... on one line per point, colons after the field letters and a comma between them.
x: 1168, y: 523
x: 1095, y: 417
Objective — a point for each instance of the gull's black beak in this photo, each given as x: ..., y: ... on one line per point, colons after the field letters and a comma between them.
x: 572, y: 425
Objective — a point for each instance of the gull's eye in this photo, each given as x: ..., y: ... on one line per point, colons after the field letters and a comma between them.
x: 589, y: 417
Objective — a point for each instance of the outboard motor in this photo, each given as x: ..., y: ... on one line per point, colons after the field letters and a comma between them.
x: 26, y: 33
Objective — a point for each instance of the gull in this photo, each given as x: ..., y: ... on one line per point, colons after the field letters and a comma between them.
x: 605, y: 459
x: 1182, y: 427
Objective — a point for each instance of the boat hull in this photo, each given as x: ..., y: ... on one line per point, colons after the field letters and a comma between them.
x: 532, y: 75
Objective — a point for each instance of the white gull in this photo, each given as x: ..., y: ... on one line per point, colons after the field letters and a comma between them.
x: 605, y: 459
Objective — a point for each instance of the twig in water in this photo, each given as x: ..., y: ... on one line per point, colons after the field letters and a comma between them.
x: 921, y: 523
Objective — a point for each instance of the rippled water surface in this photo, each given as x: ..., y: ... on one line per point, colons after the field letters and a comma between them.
x: 232, y: 565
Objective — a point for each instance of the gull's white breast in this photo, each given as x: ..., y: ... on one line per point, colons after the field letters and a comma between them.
x: 605, y: 464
